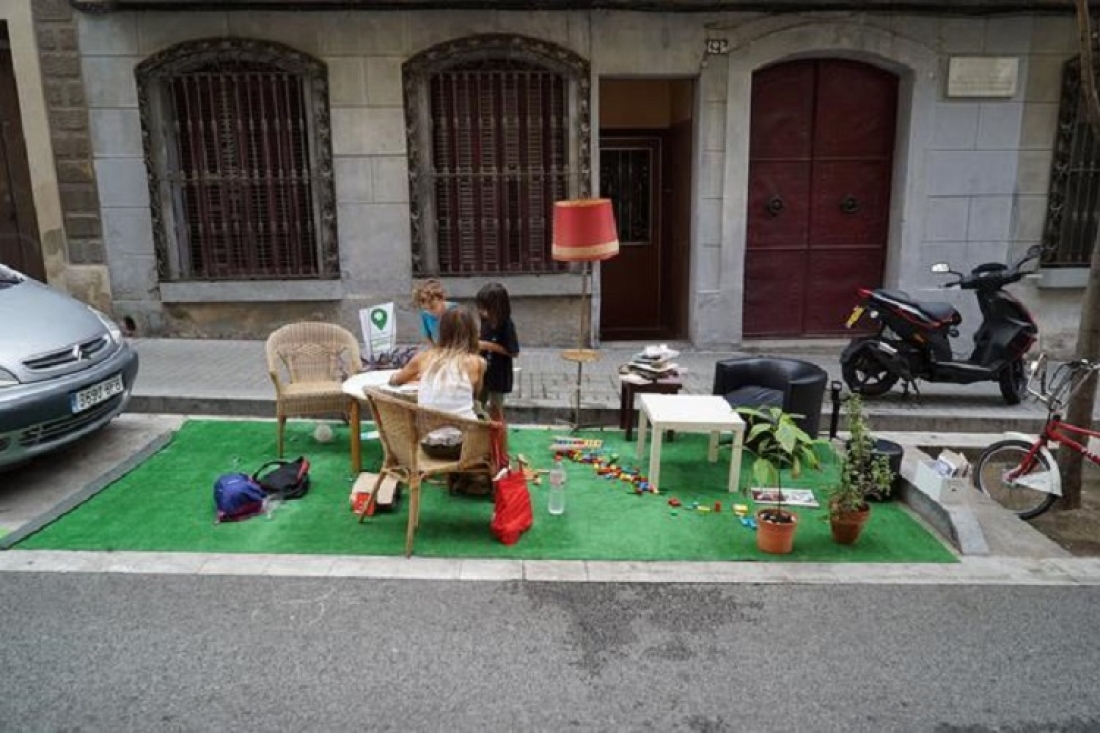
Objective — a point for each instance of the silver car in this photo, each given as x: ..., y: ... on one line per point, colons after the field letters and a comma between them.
x: 65, y: 368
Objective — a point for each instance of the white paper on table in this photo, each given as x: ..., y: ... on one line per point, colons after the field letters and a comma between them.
x: 362, y: 380
x: 356, y: 385
x: 379, y: 329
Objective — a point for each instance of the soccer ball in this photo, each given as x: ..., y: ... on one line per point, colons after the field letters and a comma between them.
x: 322, y: 433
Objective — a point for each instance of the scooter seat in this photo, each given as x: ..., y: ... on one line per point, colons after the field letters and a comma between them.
x: 941, y: 312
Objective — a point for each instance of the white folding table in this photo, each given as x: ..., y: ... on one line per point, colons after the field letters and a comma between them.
x: 691, y: 414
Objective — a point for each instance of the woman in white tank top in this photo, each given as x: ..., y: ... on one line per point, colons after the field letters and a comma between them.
x: 451, y: 372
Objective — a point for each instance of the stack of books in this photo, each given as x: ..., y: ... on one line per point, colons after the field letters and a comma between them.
x: 654, y: 363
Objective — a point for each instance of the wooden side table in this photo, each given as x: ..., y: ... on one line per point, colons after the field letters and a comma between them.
x: 664, y: 385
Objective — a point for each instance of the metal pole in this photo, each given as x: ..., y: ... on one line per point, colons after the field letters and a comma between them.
x: 834, y: 419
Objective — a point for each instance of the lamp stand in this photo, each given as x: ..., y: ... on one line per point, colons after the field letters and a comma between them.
x: 584, y: 354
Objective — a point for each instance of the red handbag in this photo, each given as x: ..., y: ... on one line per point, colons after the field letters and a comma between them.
x: 512, y: 515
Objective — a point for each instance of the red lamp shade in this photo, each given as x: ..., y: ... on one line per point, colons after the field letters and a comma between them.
x: 584, y: 231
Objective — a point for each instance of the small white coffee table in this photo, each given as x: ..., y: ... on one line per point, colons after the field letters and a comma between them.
x: 690, y: 414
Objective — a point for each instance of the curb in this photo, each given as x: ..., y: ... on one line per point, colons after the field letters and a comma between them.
x: 529, y: 412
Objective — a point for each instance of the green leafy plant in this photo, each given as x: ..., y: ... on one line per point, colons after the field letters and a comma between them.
x: 862, y: 473
x: 778, y: 442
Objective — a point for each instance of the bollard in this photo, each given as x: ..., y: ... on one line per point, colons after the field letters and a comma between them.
x: 834, y: 419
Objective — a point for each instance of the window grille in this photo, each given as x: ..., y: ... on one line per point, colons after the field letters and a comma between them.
x: 499, y: 128
x: 499, y: 162
x: 237, y: 142
x: 1074, y: 198
x: 243, y: 177
x: 625, y: 178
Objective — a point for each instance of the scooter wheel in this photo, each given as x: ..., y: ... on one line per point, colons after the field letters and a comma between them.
x: 865, y: 375
x: 1013, y: 381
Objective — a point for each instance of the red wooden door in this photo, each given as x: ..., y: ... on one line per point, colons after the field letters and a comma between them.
x: 820, y: 169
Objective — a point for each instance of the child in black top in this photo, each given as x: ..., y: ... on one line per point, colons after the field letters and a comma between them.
x: 498, y: 344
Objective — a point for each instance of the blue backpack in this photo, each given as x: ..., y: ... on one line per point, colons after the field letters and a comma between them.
x: 237, y: 497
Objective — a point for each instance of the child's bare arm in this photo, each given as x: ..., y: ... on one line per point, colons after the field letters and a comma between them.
x: 408, y: 373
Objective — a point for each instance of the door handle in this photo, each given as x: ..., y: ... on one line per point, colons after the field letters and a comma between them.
x: 849, y: 204
x: 774, y: 205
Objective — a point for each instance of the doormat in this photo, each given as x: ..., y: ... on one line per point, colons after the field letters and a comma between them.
x: 166, y: 505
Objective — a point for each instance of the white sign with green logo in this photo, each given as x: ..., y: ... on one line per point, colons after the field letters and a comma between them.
x: 379, y: 329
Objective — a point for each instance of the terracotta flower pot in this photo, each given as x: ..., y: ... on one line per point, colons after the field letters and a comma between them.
x: 775, y: 538
x: 847, y: 526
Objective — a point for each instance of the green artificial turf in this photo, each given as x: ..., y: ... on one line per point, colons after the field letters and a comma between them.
x: 166, y: 504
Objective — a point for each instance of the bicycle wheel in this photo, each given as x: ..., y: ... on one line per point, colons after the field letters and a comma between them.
x: 1022, y: 494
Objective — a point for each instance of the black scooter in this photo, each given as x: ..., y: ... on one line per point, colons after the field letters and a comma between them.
x: 913, y: 339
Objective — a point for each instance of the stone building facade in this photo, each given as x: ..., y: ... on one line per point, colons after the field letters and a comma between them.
x: 961, y: 173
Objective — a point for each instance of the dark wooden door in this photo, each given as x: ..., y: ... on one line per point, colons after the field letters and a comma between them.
x: 820, y: 170
x: 19, y: 247
x: 631, y: 295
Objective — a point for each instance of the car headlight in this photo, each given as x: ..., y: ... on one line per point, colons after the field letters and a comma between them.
x: 112, y: 327
x: 7, y: 379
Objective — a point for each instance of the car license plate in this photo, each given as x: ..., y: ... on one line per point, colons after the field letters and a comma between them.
x: 856, y: 313
x: 92, y: 396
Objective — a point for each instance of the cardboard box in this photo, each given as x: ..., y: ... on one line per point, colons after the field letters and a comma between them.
x: 944, y: 489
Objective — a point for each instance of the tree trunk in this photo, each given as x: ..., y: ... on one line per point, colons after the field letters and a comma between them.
x: 1082, y: 403
x: 1088, y: 333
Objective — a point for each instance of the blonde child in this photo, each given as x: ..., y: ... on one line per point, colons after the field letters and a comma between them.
x: 431, y: 297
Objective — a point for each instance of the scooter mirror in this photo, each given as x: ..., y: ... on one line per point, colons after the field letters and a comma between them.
x: 941, y: 268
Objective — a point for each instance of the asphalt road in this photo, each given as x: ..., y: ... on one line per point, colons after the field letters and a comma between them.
x: 180, y: 653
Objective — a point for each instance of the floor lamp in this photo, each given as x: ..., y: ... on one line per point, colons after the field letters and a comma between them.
x: 584, y: 231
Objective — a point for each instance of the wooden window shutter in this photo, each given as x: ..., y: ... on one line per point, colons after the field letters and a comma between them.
x: 243, y: 172
x: 500, y: 161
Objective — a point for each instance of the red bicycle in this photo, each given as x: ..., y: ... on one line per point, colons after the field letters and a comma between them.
x: 1023, y: 476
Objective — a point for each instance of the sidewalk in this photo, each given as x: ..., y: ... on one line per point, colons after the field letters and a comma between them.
x: 187, y: 376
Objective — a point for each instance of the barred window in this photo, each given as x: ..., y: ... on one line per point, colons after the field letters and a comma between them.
x: 495, y: 139
x: 1073, y: 204
x: 238, y: 181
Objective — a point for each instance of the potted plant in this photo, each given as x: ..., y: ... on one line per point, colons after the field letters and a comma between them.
x: 778, y: 443
x: 863, y: 473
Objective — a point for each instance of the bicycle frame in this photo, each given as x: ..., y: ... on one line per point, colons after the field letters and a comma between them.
x: 1066, y: 381
x: 1052, y: 433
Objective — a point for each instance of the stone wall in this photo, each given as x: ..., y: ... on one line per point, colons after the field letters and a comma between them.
x: 59, y: 54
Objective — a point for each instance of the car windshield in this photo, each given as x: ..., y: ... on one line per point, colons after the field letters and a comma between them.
x: 9, y: 277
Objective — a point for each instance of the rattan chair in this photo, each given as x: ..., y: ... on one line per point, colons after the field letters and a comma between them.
x: 308, y: 362
x: 401, y: 425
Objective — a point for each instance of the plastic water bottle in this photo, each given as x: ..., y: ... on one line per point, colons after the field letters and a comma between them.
x: 557, y: 487
x: 270, y: 505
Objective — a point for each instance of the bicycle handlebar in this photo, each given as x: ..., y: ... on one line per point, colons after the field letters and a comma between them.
x: 1068, y: 377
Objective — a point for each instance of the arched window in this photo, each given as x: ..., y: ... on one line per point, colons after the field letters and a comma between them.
x: 240, y: 159
x: 1073, y: 204
x: 498, y: 131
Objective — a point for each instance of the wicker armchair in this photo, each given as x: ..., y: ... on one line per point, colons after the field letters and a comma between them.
x: 308, y: 362
x: 401, y: 425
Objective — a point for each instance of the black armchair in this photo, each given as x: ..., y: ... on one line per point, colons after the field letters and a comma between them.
x: 796, y: 386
